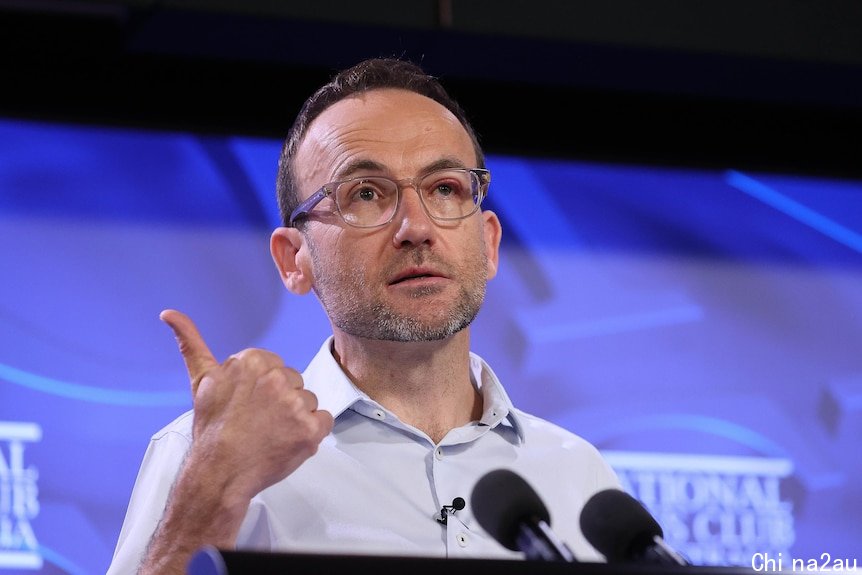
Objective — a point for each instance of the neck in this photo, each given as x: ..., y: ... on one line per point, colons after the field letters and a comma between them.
x: 426, y: 384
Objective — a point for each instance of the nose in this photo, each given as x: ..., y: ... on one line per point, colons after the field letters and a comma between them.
x: 413, y: 224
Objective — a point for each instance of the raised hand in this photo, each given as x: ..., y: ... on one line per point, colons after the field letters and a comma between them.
x: 254, y: 421
x: 254, y: 424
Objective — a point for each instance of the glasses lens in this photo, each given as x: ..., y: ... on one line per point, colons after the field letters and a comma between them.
x: 366, y: 202
x: 450, y: 194
x: 446, y: 194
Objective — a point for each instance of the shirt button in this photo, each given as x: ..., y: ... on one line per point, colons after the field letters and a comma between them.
x: 438, y: 454
x: 379, y: 414
x: 462, y: 539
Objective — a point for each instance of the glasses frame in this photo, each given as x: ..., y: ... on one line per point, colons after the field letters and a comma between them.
x: 304, y: 209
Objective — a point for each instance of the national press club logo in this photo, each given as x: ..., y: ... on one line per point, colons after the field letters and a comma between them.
x: 19, y: 503
x: 714, y: 510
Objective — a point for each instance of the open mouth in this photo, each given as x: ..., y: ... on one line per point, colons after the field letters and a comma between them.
x: 408, y: 278
x: 412, y: 275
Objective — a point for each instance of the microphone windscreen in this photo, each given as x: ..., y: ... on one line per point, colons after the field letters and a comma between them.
x: 502, y: 501
x: 618, y: 525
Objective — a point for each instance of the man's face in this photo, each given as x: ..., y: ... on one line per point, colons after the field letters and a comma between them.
x: 413, y: 279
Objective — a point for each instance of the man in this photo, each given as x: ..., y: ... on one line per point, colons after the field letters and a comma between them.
x: 380, y: 184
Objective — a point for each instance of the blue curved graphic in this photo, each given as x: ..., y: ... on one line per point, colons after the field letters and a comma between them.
x: 709, y: 425
x: 64, y: 563
x: 93, y: 394
x: 796, y: 210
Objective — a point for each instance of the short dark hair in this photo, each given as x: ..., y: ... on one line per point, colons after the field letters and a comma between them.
x: 373, y: 74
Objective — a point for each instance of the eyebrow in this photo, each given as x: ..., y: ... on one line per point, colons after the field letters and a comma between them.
x: 443, y: 164
x: 372, y: 166
x: 359, y: 166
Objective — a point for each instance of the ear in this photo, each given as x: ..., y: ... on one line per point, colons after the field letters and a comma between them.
x: 493, y: 233
x: 290, y: 254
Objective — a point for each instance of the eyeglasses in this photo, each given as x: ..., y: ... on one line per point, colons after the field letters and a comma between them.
x: 369, y: 202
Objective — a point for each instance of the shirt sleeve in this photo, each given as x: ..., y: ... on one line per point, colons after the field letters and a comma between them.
x: 159, y: 469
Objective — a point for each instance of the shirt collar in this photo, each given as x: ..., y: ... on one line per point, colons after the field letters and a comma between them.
x: 325, y: 378
x: 497, y: 408
x: 336, y: 393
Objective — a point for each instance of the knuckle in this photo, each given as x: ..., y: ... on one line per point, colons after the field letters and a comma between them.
x: 291, y: 374
x: 258, y: 359
x: 309, y: 398
x: 248, y: 358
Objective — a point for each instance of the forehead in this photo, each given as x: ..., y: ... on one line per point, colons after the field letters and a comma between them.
x: 401, y: 130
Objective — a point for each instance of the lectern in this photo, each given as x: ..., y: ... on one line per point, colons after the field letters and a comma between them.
x: 211, y: 561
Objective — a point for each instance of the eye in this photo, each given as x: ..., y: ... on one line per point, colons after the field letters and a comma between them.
x: 366, y: 194
x: 444, y: 190
x: 363, y: 191
x: 447, y: 188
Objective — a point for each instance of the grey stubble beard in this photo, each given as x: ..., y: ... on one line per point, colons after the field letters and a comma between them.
x: 342, y: 295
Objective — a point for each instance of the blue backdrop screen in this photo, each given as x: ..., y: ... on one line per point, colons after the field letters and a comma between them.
x: 701, y: 327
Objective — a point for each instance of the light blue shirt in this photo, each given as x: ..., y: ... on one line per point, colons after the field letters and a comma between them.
x: 377, y: 485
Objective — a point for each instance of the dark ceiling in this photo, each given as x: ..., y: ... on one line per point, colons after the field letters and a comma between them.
x: 757, y: 83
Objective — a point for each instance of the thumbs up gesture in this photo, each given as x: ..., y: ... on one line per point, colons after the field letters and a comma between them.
x: 254, y: 423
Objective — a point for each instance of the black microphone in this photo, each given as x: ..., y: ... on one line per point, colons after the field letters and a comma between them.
x: 621, y: 529
x: 457, y: 505
x: 512, y: 513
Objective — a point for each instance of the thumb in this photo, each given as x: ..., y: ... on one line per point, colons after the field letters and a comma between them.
x: 196, y: 355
